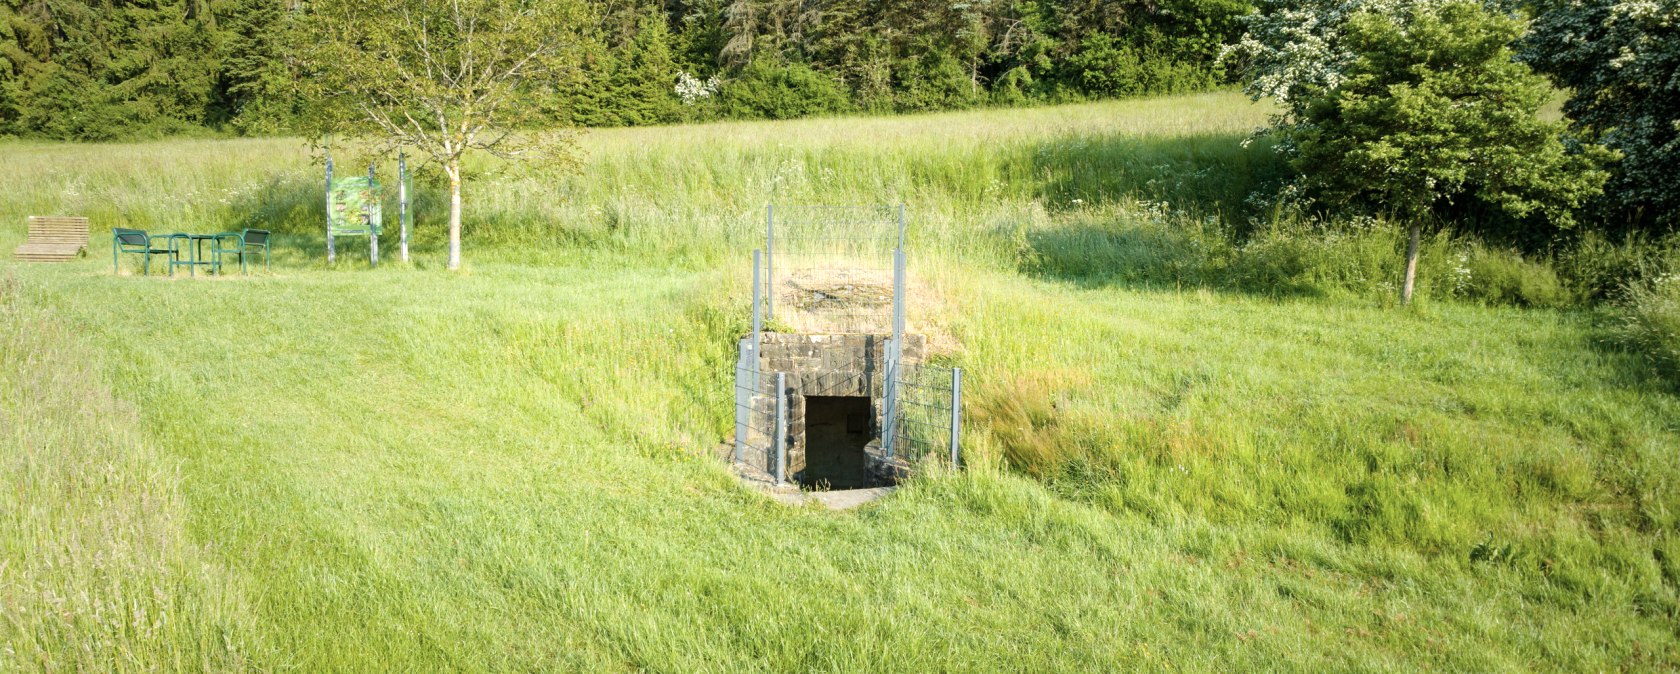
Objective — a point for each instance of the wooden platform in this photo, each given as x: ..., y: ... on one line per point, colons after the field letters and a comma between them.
x: 54, y: 239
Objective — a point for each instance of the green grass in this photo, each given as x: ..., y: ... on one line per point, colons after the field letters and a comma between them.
x: 508, y: 468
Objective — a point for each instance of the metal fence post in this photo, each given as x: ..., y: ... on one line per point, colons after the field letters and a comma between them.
x: 895, y: 358
x: 770, y: 259
x: 744, y: 390
x: 758, y: 310
x: 746, y: 369
x: 956, y: 416
x: 330, y: 253
x: 898, y: 296
x: 402, y: 203
x: 901, y: 226
x: 373, y: 233
x: 781, y: 428
x: 889, y: 414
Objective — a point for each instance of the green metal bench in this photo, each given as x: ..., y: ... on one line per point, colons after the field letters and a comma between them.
x: 136, y: 242
x: 240, y: 243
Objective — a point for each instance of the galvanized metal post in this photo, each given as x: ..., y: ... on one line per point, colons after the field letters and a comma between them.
x: 781, y: 428
x: 889, y: 414
x: 956, y: 417
x: 330, y: 253
x: 770, y: 260
x: 746, y: 371
x: 744, y: 392
x: 899, y: 300
x: 758, y: 309
x: 895, y: 358
x: 901, y: 226
x: 373, y: 232
x: 402, y: 204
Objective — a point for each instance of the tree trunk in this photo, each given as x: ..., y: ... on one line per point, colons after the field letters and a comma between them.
x: 454, y: 171
x: 1411, y: 265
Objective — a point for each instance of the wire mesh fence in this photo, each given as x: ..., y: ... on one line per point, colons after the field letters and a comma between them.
x: 830, y: 268
x: 760, y: 420
x: 768, y: 408
x: 927, y: 421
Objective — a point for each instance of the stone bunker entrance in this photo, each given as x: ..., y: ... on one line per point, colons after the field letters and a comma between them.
x: 835, y: 386
x: 837, y: 434
x: 838, y: 397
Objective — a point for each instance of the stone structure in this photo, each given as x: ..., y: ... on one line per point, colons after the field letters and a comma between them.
x: 839, y: 365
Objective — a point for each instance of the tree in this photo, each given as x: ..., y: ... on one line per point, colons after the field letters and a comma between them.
x: 445, y: 77
x: 1418, y: 110
x: 105, y: 70
x: 255, y: 77
x: 1621, y: 61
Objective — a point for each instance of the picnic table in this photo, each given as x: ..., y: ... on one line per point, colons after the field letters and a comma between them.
x: 185, y: 249
x: 195, y: 250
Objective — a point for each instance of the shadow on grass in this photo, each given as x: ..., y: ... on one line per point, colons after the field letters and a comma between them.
x: 1159, y: 214
x: 1634, y: 361
x: 1165, y: 256
x: 1202, y: 174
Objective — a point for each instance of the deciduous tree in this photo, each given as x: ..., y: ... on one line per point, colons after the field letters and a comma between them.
x: 444, y: 77
x: 1620, y: 59
x: 1409, y: 109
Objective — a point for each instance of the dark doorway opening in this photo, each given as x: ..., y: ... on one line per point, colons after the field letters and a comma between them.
x: 837, y: 428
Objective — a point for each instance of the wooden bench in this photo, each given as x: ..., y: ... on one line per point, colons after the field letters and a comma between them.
x: 54, y: 239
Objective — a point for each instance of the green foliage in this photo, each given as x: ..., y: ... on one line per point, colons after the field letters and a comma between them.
x: 1505, y: 277
x: 257, y: 95
x: 629, y: 82
x: 1599, y: 268
x: 91, y: 70
x: 1618, y: 58
x: 774, y: 90
x: 98, y: 70
x: 1107, y: 68
x: 1432, y: 111
x: 1650, y: 321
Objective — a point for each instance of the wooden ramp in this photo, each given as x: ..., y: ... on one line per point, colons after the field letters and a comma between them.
x: 54, y: 239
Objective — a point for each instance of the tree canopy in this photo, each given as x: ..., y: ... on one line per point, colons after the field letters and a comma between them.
x: 1415, y: 110
x: 441, y: 77
x: 1432, y: 111
x: 1621, y: 60
x: 101, y: 69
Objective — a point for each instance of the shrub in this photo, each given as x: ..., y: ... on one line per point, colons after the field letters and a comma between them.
x: 1618, y: 58
x: 1598, y: 269
x: 1650, y: 321
x: 1106, y: 67
x: 1498, y: 276
x: 771, y: 90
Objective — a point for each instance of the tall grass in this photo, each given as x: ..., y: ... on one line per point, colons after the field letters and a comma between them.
x: 1189, y: 447
x: 1650, y: 320
x: 686, y: 191
x: 98, y: 571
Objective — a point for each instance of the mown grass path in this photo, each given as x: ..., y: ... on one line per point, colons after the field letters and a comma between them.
x: 405, y: 470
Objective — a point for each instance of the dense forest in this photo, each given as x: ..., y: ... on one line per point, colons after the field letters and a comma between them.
x: 111, y: 69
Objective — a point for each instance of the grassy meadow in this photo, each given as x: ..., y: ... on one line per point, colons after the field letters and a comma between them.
x: 1192, y: 444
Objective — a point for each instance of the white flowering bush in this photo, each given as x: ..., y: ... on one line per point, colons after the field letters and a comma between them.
x: 1294, y: 50
x: 1621, y: 60
x: 692, y: 90
x: 1413, y: 108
